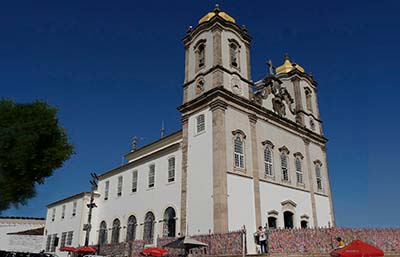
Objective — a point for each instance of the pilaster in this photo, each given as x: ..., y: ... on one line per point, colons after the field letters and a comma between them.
x: 298, y: 101
x: 311, y: 181
x: 256, y: 172
x: 185, y: 119
x: 220, y: 184
x: 328, y: 187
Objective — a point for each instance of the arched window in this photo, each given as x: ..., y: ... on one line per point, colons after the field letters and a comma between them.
x: 272, y: 222
x: 148, y: 232
x: 318, y: 175
x: 169, y: 222
x: 201, y: 55
x: 103, y: 233
x: 115, y: 231
x: 308, y: 99
x: 298, y: 166
x: 234, y: 54
x: 288, y: 219
x: 234, y: 50
x: 284, y: 167
x: 131, y: 228
x: 268, y: 161
x: 239, y: 152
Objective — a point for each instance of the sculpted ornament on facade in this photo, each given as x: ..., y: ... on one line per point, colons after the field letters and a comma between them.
x: 280, y: 95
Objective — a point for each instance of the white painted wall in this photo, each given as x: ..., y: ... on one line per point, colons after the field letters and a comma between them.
x: 157, y: 199
x: 25, y: 243
x: 68, y: 223
x: 238, y: 120
x: 273, y: 195
x: 241, y: 210
x: 200, y: 177
x: 11, y: 226
x: 323, y: 211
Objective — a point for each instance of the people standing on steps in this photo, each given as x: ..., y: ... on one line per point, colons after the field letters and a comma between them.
x: 262, y: 239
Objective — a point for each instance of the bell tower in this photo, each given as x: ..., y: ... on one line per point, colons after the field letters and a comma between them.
x: 217, y: 55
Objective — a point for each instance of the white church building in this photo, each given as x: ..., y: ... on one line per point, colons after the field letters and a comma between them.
x: 248, y: 154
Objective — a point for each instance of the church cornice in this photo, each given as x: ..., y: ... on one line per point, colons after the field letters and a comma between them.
x: 212, y: 69
x: 208, y: 96
x: 296, y: 74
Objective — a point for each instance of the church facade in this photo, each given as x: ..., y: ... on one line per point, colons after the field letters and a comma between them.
x: 248, y: 154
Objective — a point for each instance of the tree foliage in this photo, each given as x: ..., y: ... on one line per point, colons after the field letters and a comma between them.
x: 32, y: 146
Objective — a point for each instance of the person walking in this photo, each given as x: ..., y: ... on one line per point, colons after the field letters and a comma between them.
x: 263, y: 239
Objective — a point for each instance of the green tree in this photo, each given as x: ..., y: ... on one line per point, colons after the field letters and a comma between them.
x: 32, y: 146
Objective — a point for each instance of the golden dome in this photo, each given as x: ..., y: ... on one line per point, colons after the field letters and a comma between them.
x: 288, y: 66
x: 216, y: 11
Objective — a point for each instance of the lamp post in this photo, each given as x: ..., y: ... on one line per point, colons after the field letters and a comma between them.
x: 88, y: 226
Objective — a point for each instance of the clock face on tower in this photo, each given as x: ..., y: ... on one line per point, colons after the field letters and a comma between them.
x: 236, y: 87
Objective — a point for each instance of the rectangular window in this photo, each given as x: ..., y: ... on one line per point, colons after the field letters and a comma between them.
x: 63, y: 238
x: 319, y: 177
x: 63, y: 212
x: 268, y: 161
x: 171, y: 169
x: 200, y: 124
x: 53, y: 216
x: 119, y: 189
x: 299, y: 172
x: 69, y: 237
x: 285, y: 173
x: 152, y: 174
x: 48, y: 243
x: 107, y: 188
x: 53, y: 243
x: 74, y: 208
x: 134, y: 180
x: 239, y: 153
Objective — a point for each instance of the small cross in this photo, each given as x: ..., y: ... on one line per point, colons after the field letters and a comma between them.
x: 271, y: 67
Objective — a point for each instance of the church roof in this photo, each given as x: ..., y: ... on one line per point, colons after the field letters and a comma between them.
x: 216, y: 11
x: 30, y: 232
x: 288, y: 66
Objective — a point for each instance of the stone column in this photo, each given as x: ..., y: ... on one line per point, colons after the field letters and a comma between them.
x: 256, y: 171
x: 328, y: 187
x: 298, y: 101
x: 220, y: 184
x: 311, y: 181
x: 185, y: 119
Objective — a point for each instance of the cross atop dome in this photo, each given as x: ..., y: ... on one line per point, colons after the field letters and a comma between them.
x: 218, y: 12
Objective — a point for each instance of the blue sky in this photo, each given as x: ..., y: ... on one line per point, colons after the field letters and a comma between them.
x: 115, y: 69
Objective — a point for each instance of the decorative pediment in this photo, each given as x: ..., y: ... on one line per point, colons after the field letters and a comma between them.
x: 239, y: 132
x: 201, y: 41
x: 284, y: 150
x: 304, y: 217
x: 289, y: 203
x: 273, y: 213
x: 268, y: 143
x: 232, y: 40
x: 298, y: 155
x: 318, y: 162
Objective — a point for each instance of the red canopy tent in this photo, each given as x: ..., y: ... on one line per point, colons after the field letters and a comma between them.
x: 357, y: 248
x: 68, y: 249
x: 86, y: 249
x: 154, y: 251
